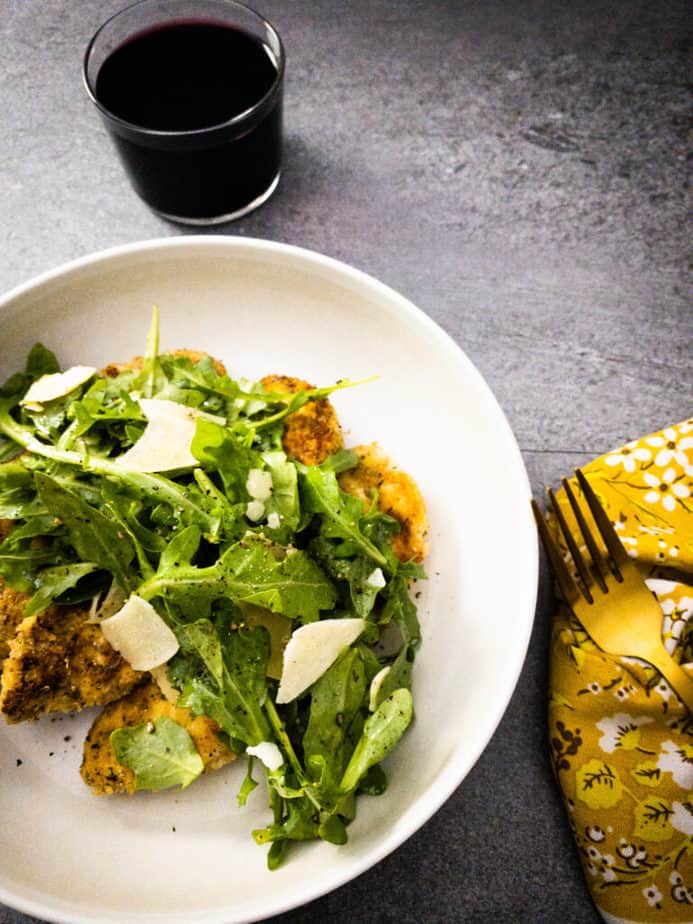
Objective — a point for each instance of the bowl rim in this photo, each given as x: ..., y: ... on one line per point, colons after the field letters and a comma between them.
x: 458, y: 766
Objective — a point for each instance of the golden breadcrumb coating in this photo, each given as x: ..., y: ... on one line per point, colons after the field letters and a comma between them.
x: 312, y: 433
x: 12, y: 604
x: 101, y: 770
x: 58, y: 662
x: 398, y: 496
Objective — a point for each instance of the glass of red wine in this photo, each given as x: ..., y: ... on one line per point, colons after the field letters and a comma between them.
x: 191, y: 91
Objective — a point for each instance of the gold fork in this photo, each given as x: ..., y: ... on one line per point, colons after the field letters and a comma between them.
x: 610, y: 598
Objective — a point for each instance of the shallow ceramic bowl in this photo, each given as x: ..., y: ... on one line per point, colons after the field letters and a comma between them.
x: 263, y: 307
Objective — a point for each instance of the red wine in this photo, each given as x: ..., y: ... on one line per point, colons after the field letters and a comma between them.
x: 196, y: 78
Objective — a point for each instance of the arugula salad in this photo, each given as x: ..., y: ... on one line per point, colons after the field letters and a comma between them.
x: 159, y: 505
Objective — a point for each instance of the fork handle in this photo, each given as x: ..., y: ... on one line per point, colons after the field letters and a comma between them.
x: 676, y: 676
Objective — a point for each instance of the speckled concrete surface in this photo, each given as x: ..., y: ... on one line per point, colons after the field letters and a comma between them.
x: 519, y: 171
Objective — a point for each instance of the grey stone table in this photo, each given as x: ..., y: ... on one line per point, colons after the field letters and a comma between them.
x: 517, y: 169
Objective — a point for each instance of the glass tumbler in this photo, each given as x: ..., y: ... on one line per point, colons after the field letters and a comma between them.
x: 190, y: 92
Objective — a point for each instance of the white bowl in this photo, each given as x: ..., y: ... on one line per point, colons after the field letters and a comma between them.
x: 265, y: 307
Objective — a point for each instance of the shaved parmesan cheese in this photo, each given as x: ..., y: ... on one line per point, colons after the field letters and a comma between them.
x: 140, y: 635
x: 311, y: 650
x: 376, y: 684
x: 268, y: 753
x: 274, y: 521
x: 376, y: 578
x: 165, y: 443
x: 56, y: 385
x: 255, y: 510
x: 259, y: 484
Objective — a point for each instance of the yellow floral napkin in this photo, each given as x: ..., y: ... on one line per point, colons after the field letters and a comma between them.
x: 621, y: 741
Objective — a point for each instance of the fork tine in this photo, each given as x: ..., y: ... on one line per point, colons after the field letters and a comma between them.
x: 568, y: 587
x: 572, y: 546
x: 586, y: 535
x: 618, y: 554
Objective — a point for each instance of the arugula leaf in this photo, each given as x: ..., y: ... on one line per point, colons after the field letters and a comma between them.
x: 300, y: 823
x: 161, y: 754
x: 248, y: 784
x: 355, y: 570
x: 381, y: 733
x: 49, y: 422
x: 340, y: 461
x: 44, y: 525
x: 248, y: 572
x: 201, y: 637
x: 18, y: 568
x: 335, y: 700
x: 8, y: 450
x: 150, y: 367
x: 284, y: 499
x: 41, y: 361
x: 399, y: 676
x: 52, y: 582
x: 400, y: 607
x: 181, y: 549
x: 94, y: 536
x: 343, y: 513
x: 17, y: 491
x: 226, y: 679
x: 219, y: 448
x: 201, y: 378
x: 107, y: 401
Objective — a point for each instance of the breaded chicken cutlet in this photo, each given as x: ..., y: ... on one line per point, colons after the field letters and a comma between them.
x: 58, y: 662
x: 398, y: 496
x: 54, y: 661
x: 101, y: 771
x: 312, y: 433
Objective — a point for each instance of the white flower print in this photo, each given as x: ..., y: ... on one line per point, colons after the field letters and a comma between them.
x: 595, y: 833
x: 681, y: 894
x: 632, y: 854
x: 682, y: 819
x: 685, y: 427
x: 652, y: 894
x: 665, y: 489
x: 670, y: 448
x: 656, y: 530
x: 663, y: 687
x: 676, y: 615
x: 627, y: 456
x: 600, y: 862
x: 624, y: 692
x: 679, y: 762
x: 661, y: 587
x: 621, y: 731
